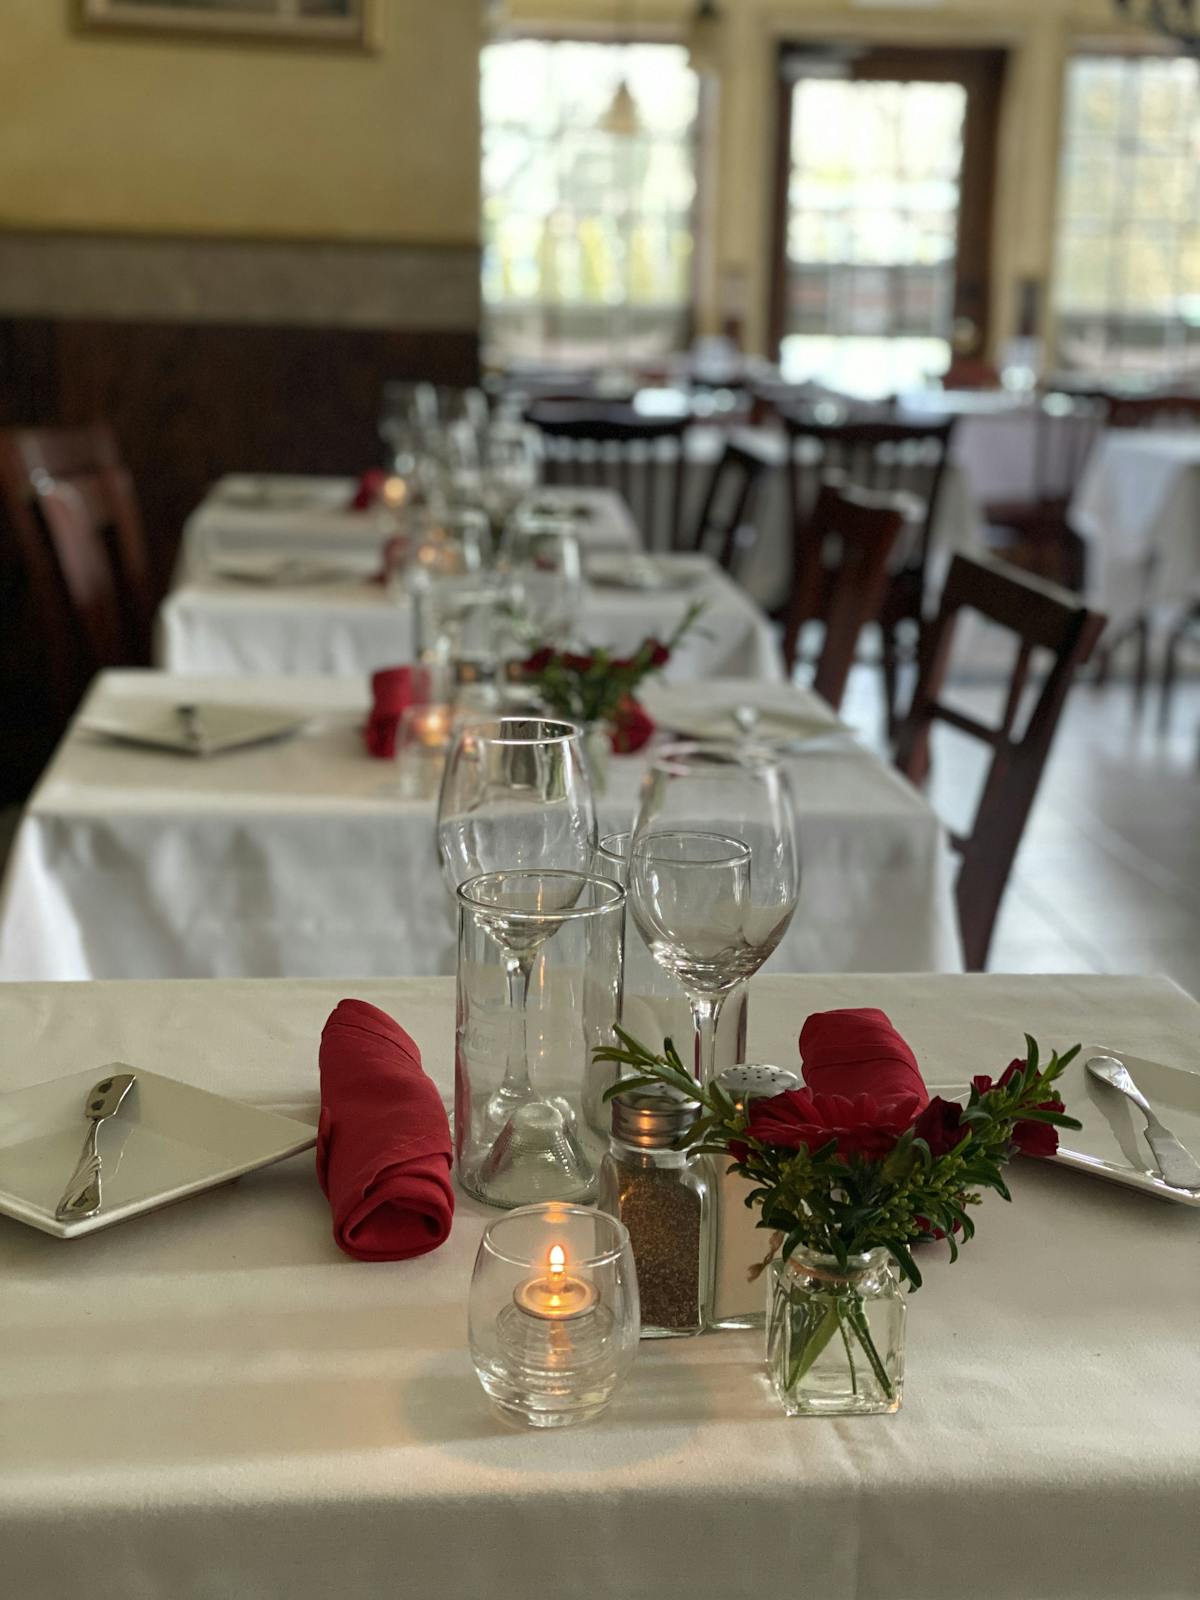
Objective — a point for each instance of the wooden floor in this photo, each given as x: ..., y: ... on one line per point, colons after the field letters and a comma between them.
x: 1108, y: 875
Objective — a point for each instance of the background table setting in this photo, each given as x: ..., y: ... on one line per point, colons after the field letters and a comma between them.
x: 227, y: 1402
x: 302, y: 856
x: 1137, y: 508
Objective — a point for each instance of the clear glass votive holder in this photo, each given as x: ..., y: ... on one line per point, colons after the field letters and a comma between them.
x: 654, y: 1006
x: 423, y: 737
x: 553, y: 1315
x: 539, y: 989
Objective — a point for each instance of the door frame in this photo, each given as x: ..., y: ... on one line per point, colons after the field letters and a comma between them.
x: 980, y: 71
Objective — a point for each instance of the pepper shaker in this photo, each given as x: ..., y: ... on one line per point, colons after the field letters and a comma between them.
x: 739, y: 1243
x: 664, y: 1198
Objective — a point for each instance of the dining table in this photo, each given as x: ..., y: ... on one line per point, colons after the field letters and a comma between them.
x: 256, y: 620
x: 211, y: 1400
x: 312, y: 515
x: 1137, y: 509
x: 304, y: 856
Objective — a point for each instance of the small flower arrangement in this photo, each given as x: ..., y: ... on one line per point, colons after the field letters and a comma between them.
x: 599, y: 686
x: 838, y: 1178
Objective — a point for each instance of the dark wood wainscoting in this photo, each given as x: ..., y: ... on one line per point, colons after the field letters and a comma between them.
x: 188, y: 402
x: 191, y: 401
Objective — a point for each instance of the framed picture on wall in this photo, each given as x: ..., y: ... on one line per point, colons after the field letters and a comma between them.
x: 349, y: 22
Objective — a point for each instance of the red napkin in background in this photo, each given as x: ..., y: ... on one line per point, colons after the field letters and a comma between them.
x: 383, y: 1142
x: 367, y: 489
x: 392, y: 691
x: 857, y: 1051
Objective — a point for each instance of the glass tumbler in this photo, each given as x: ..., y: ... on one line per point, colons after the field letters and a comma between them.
x: 653, y: 1006
x: 553, y: 1313
x: 539, y: 989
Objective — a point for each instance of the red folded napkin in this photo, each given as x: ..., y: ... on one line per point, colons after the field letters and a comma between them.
x: 383, y: 1142
x: 393, y: 690
x: 366, y: 491
x: 857, y: 1051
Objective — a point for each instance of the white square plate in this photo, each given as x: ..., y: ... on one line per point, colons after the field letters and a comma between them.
x: 152, y: 724
x: 645, y: 574
x: 168, y: 1140
x: 1112, y: 1142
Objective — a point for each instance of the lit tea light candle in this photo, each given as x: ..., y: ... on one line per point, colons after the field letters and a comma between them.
x: 394, y: 493
x: 556, y: 1297
x: 431, y: 728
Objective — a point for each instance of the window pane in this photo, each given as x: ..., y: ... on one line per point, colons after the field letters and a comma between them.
x: 1127, y: 273
x: 872, y: 230
x: 587, y: 228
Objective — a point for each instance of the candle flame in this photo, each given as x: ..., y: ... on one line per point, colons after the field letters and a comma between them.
x: 558, y: 1261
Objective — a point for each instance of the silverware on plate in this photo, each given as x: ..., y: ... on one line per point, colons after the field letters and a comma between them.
x: 193, y: 727
x: 82, y: 1196
x: 1178, y: 1166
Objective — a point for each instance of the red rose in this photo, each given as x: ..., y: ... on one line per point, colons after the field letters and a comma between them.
x: 798, y: 1120
x: 940, y: 1125
x: 659, y: 654
x: 632, y: 727
x: 538, y: 661
x: 578, y: 663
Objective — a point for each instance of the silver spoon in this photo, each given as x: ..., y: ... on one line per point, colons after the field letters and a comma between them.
x: 1177, y: 1165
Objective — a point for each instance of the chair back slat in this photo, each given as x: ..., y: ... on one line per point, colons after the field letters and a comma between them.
x: 726, y: 525
x: 85, y: 567
x: 841, y: 573
x: 612, y: 446
x: 1041, y: 616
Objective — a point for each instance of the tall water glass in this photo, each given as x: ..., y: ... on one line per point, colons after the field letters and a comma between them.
x: 539, y: 988
x: 653, y: 1006
x: 714, y: 872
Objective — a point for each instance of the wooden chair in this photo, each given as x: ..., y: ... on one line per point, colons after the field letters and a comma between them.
x: 89, y: 459
x: 726, y: 525
x: 611, y: 446
x: 1041, y: 616
x: 1033, y: 532
x: 886, y: 457
x: 72, y: 516
x: 841, y: 564
x: 1153, y: 411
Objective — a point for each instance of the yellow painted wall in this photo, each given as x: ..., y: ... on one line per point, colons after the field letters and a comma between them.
x: 120, y: 134
x: 1038, y: 34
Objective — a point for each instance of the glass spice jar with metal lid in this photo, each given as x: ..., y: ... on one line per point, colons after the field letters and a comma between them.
x: 663, y: 1195
x: 739, y: 1244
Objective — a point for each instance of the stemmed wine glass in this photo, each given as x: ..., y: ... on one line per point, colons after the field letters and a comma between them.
x: 515, y: 798
x: 714, y: 872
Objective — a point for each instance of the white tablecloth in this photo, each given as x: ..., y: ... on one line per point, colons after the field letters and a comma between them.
x: 309, y: 516
x: 298, y: 859
x: 214, y: 625
x: 211, y: 1401
x: 1138, y: 508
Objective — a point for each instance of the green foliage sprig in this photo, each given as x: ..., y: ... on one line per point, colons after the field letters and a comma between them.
x: 844, y: 1204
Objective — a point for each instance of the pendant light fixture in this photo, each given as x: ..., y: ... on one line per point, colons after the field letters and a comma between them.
x: 622, y: 117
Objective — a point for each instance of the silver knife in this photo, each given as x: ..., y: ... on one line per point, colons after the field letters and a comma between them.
x: 81, y: 1197
x: 193, y: 728
x: 1178, y: 1166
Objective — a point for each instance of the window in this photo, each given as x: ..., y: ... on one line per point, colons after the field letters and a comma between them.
x: 1127, y: 277
x: 871, y: 231
x: 588, y: 190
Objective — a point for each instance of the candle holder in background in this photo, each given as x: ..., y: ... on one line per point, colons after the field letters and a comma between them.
x: 539, y: 989
x: 553, y: 1315
x: 654, y: 1006
x: 422, y: 739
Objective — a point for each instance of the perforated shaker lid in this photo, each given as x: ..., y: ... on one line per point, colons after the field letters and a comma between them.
x: 752, y: 1080
x: 652, y: 1118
